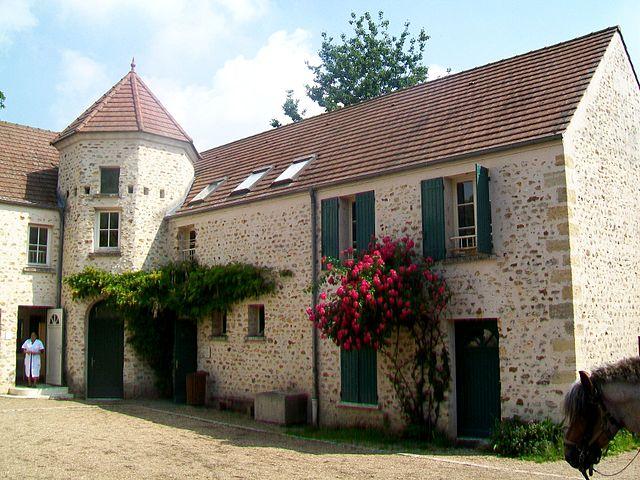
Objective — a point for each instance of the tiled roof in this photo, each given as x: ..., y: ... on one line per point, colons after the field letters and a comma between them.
x: 527, y: 98
x: 28, y: 165
x: 129, y: 106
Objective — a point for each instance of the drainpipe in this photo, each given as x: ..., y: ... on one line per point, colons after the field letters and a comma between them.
x: 62, y: 203
x: 314, y: 300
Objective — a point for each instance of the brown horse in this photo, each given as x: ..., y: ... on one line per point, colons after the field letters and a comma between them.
x: 597, y: 407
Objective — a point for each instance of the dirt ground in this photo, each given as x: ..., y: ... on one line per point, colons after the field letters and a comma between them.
x: 135, y: 440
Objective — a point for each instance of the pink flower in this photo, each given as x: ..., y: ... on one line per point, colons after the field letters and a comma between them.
x: 323, y: 296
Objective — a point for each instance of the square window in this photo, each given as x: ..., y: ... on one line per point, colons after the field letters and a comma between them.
x: 108, y: 230
x: 38, y: 253
x: 109, y: 180
x: 219, y: 324
x: 256, y: 320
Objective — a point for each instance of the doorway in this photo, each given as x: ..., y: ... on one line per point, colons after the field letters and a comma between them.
x: 30, y: 319
x: 185, y: 357
x: 105, y: 352
x: 477, y: 377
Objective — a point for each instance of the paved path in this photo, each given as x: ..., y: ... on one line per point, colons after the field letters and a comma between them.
x: 65, y: 439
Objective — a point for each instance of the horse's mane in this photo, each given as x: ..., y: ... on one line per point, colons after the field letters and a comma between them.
x: 626, y: 370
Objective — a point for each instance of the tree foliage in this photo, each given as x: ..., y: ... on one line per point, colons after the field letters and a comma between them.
x: 381, y: 297
x: 2, y: 99
x: 291, y: 108
x: 368, y: 64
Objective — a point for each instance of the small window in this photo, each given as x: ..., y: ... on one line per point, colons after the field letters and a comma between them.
x: 292, y: 171
x: 251, y: 180
x: 109, y: 180
x: 256, y: 320
x: 145, y: 190
x: 219, y: 324
x: 38, y: 245
x: 161, y: 193
x: 108, y: 231
x: 87, y: 190
x: 187, y: 244
x: 130, y: 188
x: 464, y: 240
x: 206, y: 191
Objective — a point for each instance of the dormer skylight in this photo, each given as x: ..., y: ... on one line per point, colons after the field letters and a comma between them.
x: 250, y: 181
x: 292, y: 170
x: 206, y: 191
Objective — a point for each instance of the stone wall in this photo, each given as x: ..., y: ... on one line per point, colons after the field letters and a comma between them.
x: 602, y: 148
x: 21, y: 285
x: 526, y: 286
x: 273, y: 234
x: 148, y: 164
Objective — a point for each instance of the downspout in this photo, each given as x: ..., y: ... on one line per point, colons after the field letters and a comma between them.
x: 62, y: 203
x: 314, y: 301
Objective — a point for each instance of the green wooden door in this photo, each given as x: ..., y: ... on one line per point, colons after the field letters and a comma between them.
x: 185, y: 360
x: 105, y: 351
x: 477, y: 377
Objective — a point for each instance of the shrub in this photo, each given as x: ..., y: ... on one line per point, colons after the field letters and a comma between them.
x: 539, y: 441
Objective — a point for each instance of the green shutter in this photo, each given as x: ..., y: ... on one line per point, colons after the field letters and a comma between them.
x: 365, y: 219
x: 349, y: 375
x: 330, y: 237
x: 433, y: 234
x: 367, y: 376
x: 483, y: 210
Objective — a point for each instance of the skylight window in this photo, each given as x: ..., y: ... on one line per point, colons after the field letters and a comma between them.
x: 206, y: 191
x: 292, y: 171
x: 251, y: 180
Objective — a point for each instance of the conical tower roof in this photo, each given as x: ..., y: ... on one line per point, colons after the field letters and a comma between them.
x: 129, y: 106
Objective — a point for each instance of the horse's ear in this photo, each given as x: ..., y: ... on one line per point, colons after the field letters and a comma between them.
x: 586, y: 382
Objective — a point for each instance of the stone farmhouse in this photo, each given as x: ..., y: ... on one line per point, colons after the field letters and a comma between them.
x: 520, y: 177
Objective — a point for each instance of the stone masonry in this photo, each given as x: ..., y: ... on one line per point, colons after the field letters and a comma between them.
x: 147, y: 164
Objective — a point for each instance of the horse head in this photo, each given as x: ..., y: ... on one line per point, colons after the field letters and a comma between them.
x: 590, y: 427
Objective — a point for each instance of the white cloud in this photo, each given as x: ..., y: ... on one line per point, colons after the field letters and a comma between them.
x: 244, y: 94
x: 437, y: 71
x: 15, y: 16
x: 83, y: 81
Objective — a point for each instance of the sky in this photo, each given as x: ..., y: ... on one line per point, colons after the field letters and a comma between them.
x: 221, y: 67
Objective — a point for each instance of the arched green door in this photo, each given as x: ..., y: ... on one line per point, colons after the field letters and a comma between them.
x: 105, y: 352
x: 477, y: 377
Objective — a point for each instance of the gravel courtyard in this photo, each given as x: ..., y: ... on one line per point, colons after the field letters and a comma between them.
x: 133, y: 440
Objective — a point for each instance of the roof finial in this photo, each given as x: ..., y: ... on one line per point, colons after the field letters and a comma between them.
x: 133, y: 64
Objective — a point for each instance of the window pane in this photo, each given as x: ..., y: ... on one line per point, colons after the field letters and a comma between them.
x: 104, y: 221
x: 113, y: 238
x: 33, y: 255
x: 114, y: 220
x: 103, y: 241
x: 42, y: 255
x: 250, y: 180
x: 465, y: 192
x: 43, y: 236
x: 292, y: 170
x: 33, y: 235
x: 109, y: 179
x: 465, y: 216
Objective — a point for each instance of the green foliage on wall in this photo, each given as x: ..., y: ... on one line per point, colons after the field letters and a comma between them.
x: 152, y: 300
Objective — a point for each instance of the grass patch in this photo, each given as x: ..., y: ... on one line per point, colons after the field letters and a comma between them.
x: 377, y: 439
x: 624, y: 441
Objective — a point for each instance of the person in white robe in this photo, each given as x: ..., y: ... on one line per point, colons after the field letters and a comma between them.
x: 32, y: 348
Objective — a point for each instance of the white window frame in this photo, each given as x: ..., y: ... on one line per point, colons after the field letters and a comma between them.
x: 245, y: 186
x: 47, y: 262
x: 456, y: 229
x: 187, y: 245
x: 96, y: 232
x: 207, y: 191
x: 287, y: 177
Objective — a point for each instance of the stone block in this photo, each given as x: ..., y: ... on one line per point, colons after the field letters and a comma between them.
x: 281, y: 408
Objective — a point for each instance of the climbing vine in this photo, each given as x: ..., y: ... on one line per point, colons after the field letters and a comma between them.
x: 152, y: 300
x: 380, y: 297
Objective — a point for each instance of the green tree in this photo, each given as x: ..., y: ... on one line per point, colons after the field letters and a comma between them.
x: 2, y: 99
x: 291, y: 108
x: 368, y: 64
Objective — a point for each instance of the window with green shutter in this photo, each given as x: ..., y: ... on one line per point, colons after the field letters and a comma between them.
x: 359, y: 376
x: 483, y: 211
x: 330, y: 228
x: 433, y: 223
x: 364, y: 219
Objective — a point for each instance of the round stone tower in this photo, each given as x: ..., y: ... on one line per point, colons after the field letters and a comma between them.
x: 124, y: 163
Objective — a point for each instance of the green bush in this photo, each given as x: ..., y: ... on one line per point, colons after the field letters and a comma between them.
x: 540, y: 441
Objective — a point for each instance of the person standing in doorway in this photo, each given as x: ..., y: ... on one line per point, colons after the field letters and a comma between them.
x: 32, y: 348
